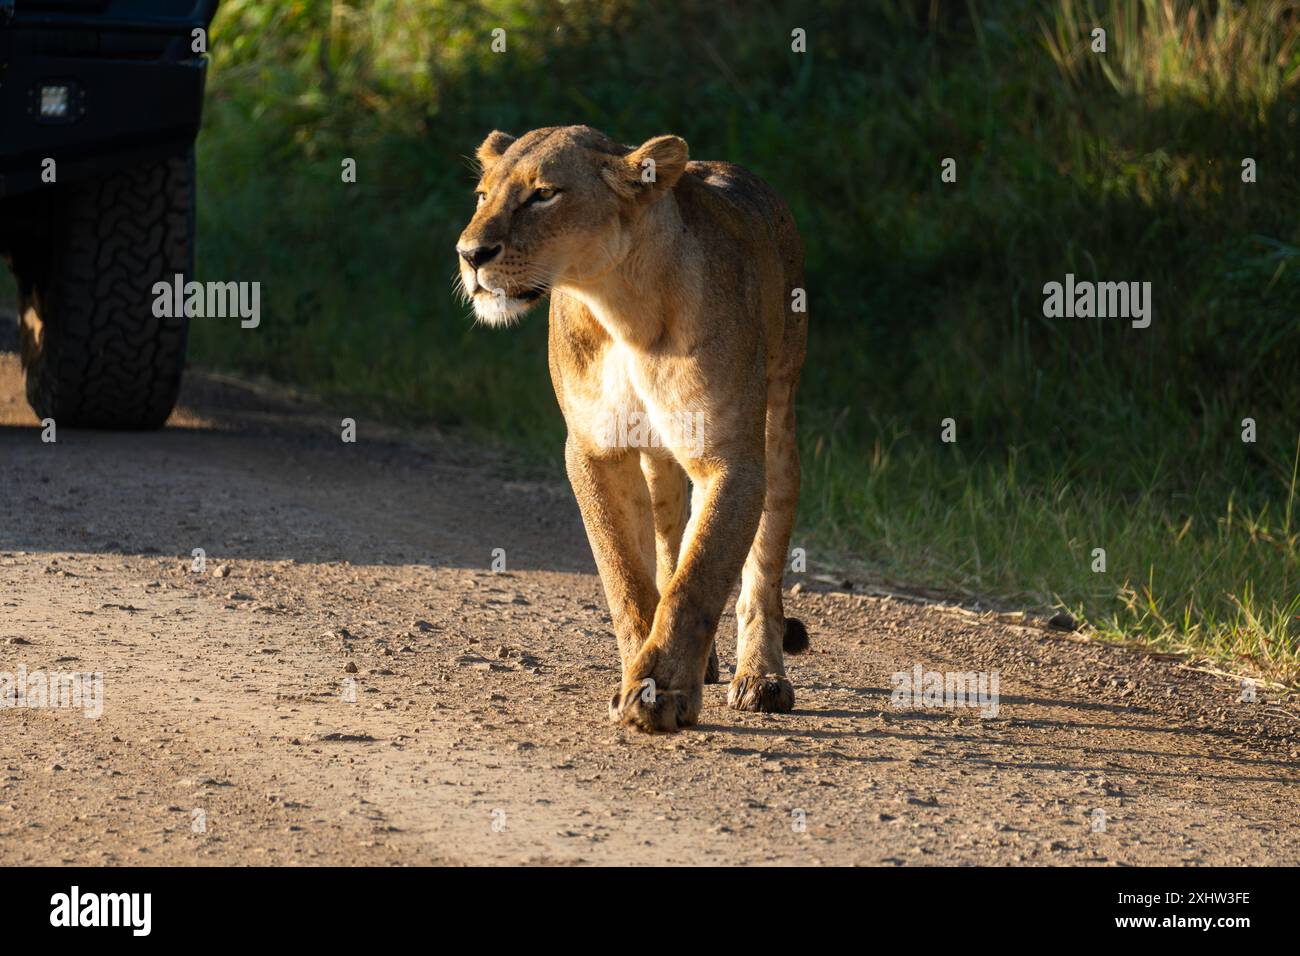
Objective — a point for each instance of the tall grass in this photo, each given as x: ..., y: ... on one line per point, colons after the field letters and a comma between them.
x: 926, y: 298
x: 1242, y: 54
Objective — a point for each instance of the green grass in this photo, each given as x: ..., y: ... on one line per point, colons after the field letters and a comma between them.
x: 1184, y: 572
x: 925, y: 297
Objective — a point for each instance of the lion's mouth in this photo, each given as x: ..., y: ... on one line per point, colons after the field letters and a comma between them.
x: 525, y: 296
x: 501, y: 307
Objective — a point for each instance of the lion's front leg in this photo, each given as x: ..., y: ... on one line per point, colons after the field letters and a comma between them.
x: 668, y: 494
x: 615, y: 506
x: 663, y: 685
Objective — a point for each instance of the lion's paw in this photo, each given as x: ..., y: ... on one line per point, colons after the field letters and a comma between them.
x: 763, y: 693
x: 653, y: 709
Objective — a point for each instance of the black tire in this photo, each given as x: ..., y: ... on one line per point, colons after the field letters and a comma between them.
x: 95, y: 354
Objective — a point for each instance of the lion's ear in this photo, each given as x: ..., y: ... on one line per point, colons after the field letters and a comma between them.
x: 651, y: 169
x: 490, y: 149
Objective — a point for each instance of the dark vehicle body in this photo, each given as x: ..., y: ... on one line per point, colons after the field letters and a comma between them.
x: 100, y: 103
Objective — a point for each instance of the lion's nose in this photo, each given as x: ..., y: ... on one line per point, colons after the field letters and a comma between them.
x: 479, y: 255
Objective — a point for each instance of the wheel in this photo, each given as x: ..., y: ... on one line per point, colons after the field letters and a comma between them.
x: 95, y: 354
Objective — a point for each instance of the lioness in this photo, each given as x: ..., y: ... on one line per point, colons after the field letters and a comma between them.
x: 672, y: 288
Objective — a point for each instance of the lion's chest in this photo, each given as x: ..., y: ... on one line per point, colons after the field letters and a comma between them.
x: 631, y: 401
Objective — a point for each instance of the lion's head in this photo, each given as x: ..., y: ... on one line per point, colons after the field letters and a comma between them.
x: 556, y: 205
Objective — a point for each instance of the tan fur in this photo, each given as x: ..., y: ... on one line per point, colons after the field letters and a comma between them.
x: 670, y: 299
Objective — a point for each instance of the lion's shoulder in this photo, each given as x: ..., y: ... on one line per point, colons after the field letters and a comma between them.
x: 716, y: 194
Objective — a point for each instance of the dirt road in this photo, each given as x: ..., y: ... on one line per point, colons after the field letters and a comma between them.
x: 349, y: 681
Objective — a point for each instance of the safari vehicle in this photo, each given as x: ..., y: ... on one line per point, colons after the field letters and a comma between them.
x: 100, y: 103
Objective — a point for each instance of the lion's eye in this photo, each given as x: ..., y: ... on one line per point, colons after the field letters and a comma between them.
x: 481, y: 197
x: 543, y: 195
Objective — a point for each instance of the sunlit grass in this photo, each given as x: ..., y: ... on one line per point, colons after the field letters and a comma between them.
x: 1238, y: 55
x: 1206, y: 580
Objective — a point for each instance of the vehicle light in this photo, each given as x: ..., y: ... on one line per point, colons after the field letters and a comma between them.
x: 55, y: 101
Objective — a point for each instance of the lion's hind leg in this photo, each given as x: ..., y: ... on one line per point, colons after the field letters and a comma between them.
x: 763, y: 632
